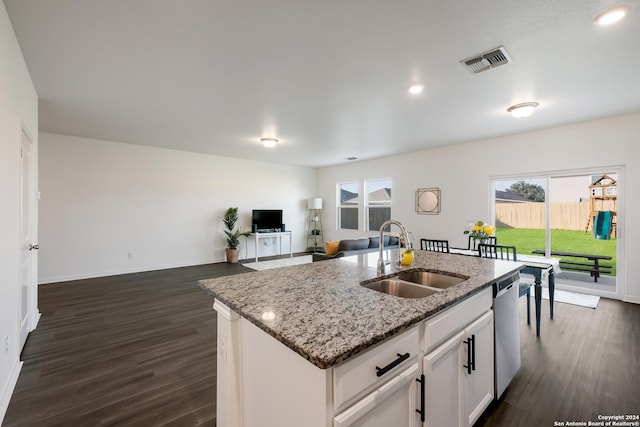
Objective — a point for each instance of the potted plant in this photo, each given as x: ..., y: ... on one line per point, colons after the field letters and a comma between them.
x: 233, y: 234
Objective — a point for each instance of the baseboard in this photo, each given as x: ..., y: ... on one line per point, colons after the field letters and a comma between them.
x: 632, y: 299
x: 36, y: 320
x: 8, y: 388
x: 82, y: 276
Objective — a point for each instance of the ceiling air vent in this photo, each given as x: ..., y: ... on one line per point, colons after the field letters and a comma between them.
x: 485, y: 61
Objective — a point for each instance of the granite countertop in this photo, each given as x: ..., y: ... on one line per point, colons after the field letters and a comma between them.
x: 321, y: 312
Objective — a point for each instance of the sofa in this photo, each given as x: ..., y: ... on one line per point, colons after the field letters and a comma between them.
x: 362, y: 245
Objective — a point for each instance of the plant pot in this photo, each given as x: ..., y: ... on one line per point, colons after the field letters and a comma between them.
x: 232, y: 255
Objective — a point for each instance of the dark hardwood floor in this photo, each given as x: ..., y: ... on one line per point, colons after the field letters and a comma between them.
x: 585, y: 363
x: 135, y: 350
x: 140, y: 350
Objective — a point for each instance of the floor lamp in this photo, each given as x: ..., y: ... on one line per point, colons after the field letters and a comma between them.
x: 315, y: 224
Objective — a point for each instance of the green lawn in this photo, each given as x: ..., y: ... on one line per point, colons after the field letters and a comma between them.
x: 526, y: 240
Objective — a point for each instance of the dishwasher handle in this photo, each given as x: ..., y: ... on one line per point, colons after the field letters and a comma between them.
x: 503, y: 286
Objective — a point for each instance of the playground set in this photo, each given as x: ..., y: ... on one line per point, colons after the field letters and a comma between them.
x: 602, y: 222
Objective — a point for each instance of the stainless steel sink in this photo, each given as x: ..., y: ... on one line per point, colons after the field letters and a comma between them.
x: 417, y: 283
x: 401, y: 288
x: 431, y: 279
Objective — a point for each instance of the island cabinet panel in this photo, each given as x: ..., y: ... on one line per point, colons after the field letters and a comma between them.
x: 363, y: 373
x: 392, y: 404
x: 280, y: 388
x: 459, y: 375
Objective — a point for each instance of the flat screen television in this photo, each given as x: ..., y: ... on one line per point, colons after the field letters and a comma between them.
x: 266, y: 220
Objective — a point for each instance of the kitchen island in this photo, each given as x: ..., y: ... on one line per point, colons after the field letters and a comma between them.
x: 298, y: 332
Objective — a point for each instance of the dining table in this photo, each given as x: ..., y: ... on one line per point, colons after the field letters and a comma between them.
x: 538, y: 267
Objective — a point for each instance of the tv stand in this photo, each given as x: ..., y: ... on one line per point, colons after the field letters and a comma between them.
x: 263, y: 235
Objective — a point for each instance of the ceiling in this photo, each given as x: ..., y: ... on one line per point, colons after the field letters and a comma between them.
x: 328, y: 78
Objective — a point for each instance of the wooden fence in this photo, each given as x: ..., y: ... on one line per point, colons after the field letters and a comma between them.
x: 564, y: 216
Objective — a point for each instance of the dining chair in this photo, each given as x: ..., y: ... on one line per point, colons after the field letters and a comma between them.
x: 503, y: 252
x: 434, y: 245
x: 473, y: 243
x: 508, y: 253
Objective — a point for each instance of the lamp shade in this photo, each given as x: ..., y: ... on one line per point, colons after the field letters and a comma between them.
x: 314, y: 203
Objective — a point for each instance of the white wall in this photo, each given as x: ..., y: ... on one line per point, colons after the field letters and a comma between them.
x: 101, y: 200
x: 18, y: 103
x: 463, y: 173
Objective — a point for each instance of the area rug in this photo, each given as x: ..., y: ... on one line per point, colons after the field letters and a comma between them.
x: 277, y: 263
x: 583, y: 300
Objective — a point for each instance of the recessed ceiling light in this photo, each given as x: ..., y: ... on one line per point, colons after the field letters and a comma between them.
x: 269, y: 142
x: 524, y: 109
x: 612, y: 16
x: 416, y: 89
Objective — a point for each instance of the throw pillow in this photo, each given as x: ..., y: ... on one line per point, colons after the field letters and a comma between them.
x: 331, y: 248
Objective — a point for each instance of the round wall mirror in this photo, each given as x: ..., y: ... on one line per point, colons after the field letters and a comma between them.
x: 428, y: 201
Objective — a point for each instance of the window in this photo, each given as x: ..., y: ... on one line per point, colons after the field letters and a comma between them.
x: 378, y: 208
x: 349, y: 197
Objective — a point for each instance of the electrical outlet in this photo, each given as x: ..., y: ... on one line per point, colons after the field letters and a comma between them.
x: 222, y: 346
x: 6, y: 344
x: 130, y: 255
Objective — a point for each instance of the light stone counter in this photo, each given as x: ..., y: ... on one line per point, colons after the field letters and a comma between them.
x: 321, y: 312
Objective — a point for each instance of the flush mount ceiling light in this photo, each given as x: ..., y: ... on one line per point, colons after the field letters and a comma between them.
x: 269, y: 142
x: 524, y: 109
x: 416, y: 89
x: 612, y: 16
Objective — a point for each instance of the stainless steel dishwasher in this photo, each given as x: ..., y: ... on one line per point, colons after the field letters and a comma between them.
x: 506, y: 331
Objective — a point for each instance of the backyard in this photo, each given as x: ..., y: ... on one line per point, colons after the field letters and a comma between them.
x: 527, y: 240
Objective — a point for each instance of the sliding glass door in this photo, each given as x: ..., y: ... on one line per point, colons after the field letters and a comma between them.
x: 573, y: 217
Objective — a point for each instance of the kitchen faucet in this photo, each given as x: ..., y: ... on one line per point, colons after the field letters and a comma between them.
x: 404, y: 236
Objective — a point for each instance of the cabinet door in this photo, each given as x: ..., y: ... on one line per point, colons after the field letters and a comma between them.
x: 479, y: 385
x: 443, y: 374
x: 393, y: 404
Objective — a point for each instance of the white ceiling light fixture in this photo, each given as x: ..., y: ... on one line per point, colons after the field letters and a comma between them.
x: 416, y: 89
x: 269, y: 142
x: 612, y: 16
x: 524, y: 109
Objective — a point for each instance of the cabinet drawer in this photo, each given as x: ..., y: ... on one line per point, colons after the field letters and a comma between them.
x: 373, y: 368
x: 444, y: 325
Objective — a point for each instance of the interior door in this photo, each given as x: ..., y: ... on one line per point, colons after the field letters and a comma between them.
x: 27, y: 246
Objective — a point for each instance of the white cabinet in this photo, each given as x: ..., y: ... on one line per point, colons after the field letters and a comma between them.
x: 423, y: 372
x: 393, y: 404
x: 443, y: 374
x: 459, y: 376
x: 369, y: 370
x: 386, y: 376
x: 479, y: 384
x: 457, y: 368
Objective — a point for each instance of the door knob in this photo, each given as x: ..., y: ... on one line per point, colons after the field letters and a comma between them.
x: 34, y: 247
